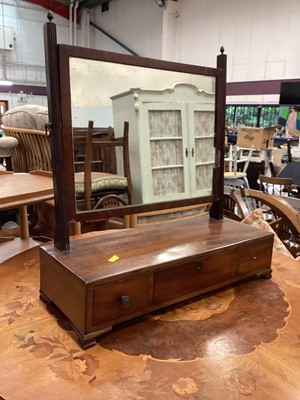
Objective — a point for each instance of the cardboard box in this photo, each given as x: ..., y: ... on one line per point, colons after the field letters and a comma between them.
x: 260, y: 138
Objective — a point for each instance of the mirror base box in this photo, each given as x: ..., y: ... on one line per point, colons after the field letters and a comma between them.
x: 114, y: 276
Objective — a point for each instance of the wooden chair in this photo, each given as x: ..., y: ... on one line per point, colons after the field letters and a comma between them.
x: 113, y: 201
x: 234, y: 206
x: 234, y: 177
x: 275, y: 185
x: 33, y: 151
x: 91, y: 186
x: 280, y: 215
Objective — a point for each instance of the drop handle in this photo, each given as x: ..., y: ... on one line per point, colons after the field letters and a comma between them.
x: 199, y: 266
x: 126, y: 301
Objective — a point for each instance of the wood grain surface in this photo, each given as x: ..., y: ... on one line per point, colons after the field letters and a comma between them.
x: 239, y: 342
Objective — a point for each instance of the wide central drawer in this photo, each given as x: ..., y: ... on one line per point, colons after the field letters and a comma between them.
x: 180, y: 280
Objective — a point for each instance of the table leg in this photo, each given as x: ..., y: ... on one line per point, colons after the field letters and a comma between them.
x: 75, y: 228
x: 24, y: 222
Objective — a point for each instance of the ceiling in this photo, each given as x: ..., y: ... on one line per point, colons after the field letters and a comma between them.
x: 61, y: 7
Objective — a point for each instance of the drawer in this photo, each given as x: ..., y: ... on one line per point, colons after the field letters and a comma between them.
x: 256, y: 256
x: 117, y: 299
x: 181, y: 280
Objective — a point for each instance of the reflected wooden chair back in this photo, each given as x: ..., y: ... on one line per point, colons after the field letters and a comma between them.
x: 93, y: 185
x: 80, y: 137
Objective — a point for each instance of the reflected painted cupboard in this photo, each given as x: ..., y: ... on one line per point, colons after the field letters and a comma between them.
x: 171, y: 141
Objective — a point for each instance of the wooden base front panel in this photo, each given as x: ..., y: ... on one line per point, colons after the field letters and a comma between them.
x: 95, y: 295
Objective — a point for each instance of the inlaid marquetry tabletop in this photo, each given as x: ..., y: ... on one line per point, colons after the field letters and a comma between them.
x: 240, y: 342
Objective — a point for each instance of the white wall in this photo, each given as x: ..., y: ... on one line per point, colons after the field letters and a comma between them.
x: 136, y: 23
x: 25, y: 64
x: 261, y: 37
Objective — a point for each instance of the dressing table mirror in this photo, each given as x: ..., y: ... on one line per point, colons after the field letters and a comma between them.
x: 179, y: 165
x: 176, y: 115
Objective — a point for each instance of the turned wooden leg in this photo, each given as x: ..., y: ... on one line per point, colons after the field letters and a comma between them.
x: 24, y: 222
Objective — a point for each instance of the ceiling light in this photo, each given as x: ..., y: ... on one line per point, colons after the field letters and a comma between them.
x: 160, y: 3
x: 6, y: 83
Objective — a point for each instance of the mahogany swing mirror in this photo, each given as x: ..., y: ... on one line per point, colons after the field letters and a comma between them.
x: 176, y: 116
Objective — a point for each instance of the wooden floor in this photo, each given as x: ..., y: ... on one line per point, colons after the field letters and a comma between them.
x: 238, y: 343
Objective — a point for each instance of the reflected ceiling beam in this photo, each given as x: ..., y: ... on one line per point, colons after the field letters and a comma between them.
x: 113, y: 38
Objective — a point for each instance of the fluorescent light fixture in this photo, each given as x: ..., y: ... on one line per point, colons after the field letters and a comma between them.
x: 6, y: 83
x: 160, y: 3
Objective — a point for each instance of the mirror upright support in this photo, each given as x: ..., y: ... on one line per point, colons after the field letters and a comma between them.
x: 216, y: 210
x: 54, y: 127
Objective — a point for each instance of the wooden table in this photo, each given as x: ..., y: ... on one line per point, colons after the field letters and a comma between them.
x: 236, y: 344
x: 18, y: 190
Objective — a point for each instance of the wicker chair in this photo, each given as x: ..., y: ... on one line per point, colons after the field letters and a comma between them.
x: 33, y: 152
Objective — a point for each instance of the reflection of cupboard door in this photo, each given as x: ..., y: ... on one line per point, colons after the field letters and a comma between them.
x: 182, y: 153
x: 201, y: 149
x: 171, y: 141
x: 165, y: 138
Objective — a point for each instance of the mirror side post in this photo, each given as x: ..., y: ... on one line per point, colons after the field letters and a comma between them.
x: 61, y: 234
x: 216, y: 210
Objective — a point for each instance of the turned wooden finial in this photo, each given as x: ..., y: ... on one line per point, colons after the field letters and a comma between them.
x: 222, y: 49
x: 50, y: 16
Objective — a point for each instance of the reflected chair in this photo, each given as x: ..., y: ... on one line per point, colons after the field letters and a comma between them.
x: 98, y: 156
x: 275, y: 185
x: 91, y: 186
x: 233, y: 177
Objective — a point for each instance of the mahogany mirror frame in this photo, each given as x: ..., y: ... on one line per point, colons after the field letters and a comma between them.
x: 57, y: 58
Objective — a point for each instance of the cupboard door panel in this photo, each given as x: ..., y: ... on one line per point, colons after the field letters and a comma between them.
x: 166, y: 133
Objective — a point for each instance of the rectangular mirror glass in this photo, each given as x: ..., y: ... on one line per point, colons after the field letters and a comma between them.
x: 171, y: 124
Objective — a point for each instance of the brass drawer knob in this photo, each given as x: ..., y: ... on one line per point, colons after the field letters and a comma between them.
x: 125, y: 301
x: 199, y: 266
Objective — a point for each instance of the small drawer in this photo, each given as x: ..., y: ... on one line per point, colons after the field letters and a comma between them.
x: 256, y: 256
x: 181, y: 280
x: 117, y: 299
